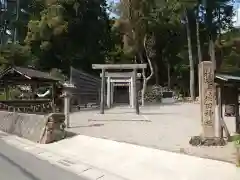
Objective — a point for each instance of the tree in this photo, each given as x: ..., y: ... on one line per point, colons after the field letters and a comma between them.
x: 70, y: 33
x: 191, y: 62
x: 133, y: 23
x: 15, y: 54
x: 198, y: 20
x: 166, y: 25
x: 218, y: 17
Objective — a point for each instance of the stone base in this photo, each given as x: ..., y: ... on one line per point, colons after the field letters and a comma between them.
x: 202, y: 141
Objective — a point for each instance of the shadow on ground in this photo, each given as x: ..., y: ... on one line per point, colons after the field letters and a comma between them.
x: 159, y: 113
x: 120, y: 120
x: 90, y: 125
x: 69, y: 134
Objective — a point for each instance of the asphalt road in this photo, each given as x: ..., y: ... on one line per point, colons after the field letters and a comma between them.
x: 18, y: 165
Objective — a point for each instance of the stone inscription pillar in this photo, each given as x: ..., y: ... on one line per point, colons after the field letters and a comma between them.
x: 208, y: 100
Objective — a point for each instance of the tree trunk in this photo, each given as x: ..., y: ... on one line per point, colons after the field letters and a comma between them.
x: 198, y: 42
x: 156, y: 73
x: 144, y: 87
x: 191, y: 63
x: 212, y: 52
x: 169, y: 75
x: 146, y: 79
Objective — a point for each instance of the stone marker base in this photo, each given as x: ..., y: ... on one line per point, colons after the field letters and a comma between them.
x: 54, y: 129
x: 202, y: 141
x: 37, y: 128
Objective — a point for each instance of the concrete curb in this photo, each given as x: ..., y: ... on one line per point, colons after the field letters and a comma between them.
x: 95, y: 158
x: 82, y: 169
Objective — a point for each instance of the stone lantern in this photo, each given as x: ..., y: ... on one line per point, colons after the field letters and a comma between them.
x: 67, y: 89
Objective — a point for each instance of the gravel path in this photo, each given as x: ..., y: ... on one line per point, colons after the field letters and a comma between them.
x: 166, y: 127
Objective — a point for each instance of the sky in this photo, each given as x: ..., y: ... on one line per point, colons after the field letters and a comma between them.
x: 112, y: 1
x: 237, y: 15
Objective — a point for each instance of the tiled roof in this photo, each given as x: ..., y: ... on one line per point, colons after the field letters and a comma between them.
x: 228, y: 78
x: 30, y: 73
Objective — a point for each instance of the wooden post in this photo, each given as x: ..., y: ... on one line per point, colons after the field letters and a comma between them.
x: 108, y: 92
x: 6, y: 92
x: 135, y: 91
x: 237, y: 111
x: 200, y: 74
x: 33, y: 86
x: 237, y: 156
x: 102, y: 103
x: 220, y: 112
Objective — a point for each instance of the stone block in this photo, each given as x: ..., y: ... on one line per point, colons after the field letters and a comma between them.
x: 34, y: 127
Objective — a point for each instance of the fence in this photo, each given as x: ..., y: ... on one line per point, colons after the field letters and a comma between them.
x: 87, y: 91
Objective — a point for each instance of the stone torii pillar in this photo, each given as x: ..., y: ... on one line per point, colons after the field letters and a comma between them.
x: 129, y: 92
x: 102, y: 100
x: 132, y: 67
x: 112, y: 93
x: 132, y: 93
x: 108, y: 92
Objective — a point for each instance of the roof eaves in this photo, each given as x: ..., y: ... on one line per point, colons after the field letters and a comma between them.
x: 22, y: 73
x: 221, y: 78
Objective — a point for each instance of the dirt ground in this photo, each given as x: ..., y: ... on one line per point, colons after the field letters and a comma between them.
x: 166, y: 127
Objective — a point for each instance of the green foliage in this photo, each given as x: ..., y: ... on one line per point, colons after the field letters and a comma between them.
x: 58, y: 74
x: 2, y: 96
x: 15, y: 54
x: 134, y: 23
x: 56, y: 34
x: 71, y: 32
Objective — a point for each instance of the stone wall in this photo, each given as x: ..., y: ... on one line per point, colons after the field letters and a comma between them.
x: 37, y: 128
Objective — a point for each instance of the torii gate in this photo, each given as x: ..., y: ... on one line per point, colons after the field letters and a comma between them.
x: 119, y: 79
x: 131, y: 76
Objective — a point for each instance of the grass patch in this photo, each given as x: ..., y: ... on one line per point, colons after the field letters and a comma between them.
x: 2, y: 96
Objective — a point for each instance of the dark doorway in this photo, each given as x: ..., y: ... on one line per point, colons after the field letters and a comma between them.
x: 121, y: 95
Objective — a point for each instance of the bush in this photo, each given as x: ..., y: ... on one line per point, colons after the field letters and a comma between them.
x: 152, y: 94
